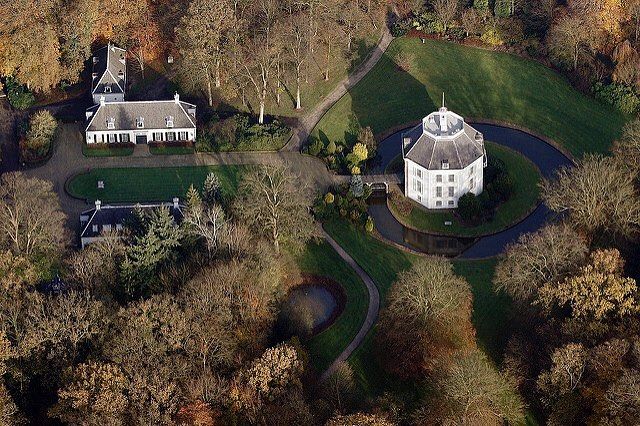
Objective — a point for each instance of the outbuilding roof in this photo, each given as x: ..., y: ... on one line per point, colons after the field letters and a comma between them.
x: 103, y: 218
x: 109, y: 70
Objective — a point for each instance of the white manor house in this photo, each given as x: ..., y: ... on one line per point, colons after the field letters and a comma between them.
x: 115, y: 120
x: 444, y: 158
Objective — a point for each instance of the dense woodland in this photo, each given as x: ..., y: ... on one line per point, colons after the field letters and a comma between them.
x: 176, y: 324
x: 226, y: 49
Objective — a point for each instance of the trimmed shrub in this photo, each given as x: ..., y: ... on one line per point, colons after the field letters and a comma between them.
x: 18, y: 95
x: 329, y: 198
x: 316, y: 147
x: 492, y: 37
x: 469, y: 207
x: 620, y: 95
x: 369, y: 225
x: 331, y: 148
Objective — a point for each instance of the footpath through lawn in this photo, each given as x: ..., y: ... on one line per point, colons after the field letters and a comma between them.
x: 478, y: 84
x: 324, y: 348
x: 383, y: 263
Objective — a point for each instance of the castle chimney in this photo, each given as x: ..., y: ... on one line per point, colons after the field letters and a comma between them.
x: 102, y: 100
x: 176, y: 202
x: 176, y: 97
x: 98, y: 205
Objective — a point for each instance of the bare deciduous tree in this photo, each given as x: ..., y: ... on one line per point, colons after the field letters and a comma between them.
x: 598, y: 195
x: 571, y: 37
x: 276, y: 202
x: 547, y: 255
x: 31, y: 220
x: 447, y: 11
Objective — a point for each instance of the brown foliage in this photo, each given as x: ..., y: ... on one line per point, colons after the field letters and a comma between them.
x: 597, y: 292
x: 428, y: 315
x: 538, y: 258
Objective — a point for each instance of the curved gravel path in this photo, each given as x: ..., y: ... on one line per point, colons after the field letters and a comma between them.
x: 309, y: 121
x: 372, y: 311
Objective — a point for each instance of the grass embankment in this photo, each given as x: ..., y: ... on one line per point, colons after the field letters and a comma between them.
x: 149, y: 184
x: 171, y: 150
x: 321, y: 259
x: 106, y: 152
x: 383, y: 263
x: 525, y: 177
x: 478, y: 83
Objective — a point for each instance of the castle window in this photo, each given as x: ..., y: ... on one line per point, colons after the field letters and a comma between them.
x: 140, y: 123
x: 438, y: 178
x: 107, y: 88
x: 452, y: 178
x: 445, y: 164
x: 438, y: 203
x: 438, y: 191
x: 111, y: 123
x: 417, y: 172
x: 417, y: 186
x: 169, y: 121
x: 452, y: 191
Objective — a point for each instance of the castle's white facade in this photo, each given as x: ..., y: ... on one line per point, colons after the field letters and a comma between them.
x: 444, y: 158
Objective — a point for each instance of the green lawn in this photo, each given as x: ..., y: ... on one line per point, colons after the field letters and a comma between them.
x: 478, y: 83
x: 149, y: 184
x: 383, y: 263
x: 106, y: 152
x: 171, y: 150
x: 525, y: 177
x: 321, y: 259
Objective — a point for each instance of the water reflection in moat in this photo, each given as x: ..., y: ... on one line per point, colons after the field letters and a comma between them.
x: 391, y: 229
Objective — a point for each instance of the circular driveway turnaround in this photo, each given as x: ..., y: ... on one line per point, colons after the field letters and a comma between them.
x: 545, y: 156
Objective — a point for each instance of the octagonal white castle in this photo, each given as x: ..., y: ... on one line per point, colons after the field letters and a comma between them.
x: 444, y: 158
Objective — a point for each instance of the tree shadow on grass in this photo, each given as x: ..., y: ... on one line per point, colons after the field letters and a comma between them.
x: 385, y: 98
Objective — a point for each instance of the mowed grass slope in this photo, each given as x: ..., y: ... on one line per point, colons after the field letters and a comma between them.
x: 149, y: 184
x: 383, y: 263
x: 478, y: 84
x: 321, y: 259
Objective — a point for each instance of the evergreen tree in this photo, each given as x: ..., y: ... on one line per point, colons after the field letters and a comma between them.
x: 503, y: 8
x: 156, y: 245
x: 211, y: 189
x: 481, y: 5
x: 356, y: 186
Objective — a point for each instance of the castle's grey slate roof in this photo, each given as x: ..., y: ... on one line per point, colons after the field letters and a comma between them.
x: 110, y: 69
x: 154, y: 113
x: 112, y: 215
x: 459, y: 151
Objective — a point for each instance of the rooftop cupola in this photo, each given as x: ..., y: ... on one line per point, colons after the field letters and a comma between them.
x: 443, y: 117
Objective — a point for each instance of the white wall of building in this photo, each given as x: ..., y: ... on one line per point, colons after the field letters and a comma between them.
x: 441, y: 189
x: 153, y: 135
